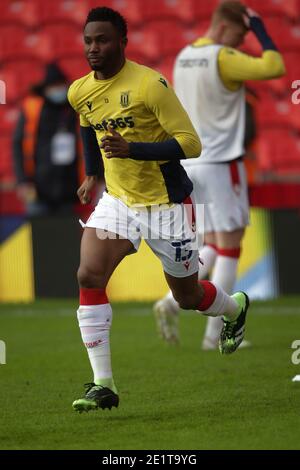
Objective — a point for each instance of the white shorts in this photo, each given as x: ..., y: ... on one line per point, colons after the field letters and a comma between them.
x: 169, y: 231
x: 222, y: 188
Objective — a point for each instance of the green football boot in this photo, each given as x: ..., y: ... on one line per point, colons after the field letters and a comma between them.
x: 233, y: 332
x: 96, y: 396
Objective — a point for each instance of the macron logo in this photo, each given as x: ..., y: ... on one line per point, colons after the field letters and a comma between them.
x: 89, y: 105
x: 163, y: 81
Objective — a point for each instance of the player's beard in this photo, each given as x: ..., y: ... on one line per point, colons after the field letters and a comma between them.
x: 105, y: 63
x: 97, y: 66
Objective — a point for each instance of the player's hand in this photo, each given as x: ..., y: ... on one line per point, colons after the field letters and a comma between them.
x: 114, y: 145
x: 85, y: 191
x: 250, y: 14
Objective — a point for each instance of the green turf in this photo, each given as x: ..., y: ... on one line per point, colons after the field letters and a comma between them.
x: 170, y: 398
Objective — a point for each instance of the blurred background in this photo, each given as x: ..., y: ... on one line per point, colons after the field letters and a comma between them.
x: 39, y: 255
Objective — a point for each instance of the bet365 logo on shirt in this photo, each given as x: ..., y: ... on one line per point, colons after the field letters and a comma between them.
x: 114, y: 123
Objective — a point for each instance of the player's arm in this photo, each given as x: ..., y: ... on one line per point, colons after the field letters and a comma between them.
x: 92, y: 160
x: 91, y: 153
x: 161, y: 100
x: 236, y: 67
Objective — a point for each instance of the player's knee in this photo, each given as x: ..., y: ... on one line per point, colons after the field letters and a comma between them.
x: 88, y: 279
x: 84, y: 277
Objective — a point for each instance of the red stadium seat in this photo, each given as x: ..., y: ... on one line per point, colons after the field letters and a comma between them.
x: 6, y: 165
x: 290, y: 8
x: 285, y: 34
x: 8, y: 118
x: 136, y: 56
x: 204, y: 10
x: 272, y: 112
x: 134, y: 11
x: 14, y: 92
x: 11, y: 36
x: 145, y: 44
x: 295, y: 111
x: 67, y: 40
x: 63, y: 11
x: 182, y: 10
x: 24, y: 12
x: 172, y: 36
x: 74, y: 67
x: 279, y: 151
x: 19, y: 75
x: 292, y: 64
x: 38, y: 45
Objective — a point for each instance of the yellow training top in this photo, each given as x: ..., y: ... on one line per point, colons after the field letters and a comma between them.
x: 235, y: 67
x: 142, y: 107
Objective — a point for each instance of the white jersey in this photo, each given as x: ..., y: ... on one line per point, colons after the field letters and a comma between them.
x: 217, y: 113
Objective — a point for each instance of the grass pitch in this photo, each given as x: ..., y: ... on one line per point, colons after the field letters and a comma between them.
x: 170, y: 397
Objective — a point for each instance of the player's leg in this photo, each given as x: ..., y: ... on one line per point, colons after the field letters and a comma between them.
x: 228, y: 215
x: 166, y: 310
x: 211, y: 300
x: 111, y: 234
x: 224, y: 275
x: 180, y: 260
x: 99, y: 258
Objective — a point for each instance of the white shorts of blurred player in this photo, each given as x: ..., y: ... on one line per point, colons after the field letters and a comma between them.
x: 169, y: 230
x: 222, y: 189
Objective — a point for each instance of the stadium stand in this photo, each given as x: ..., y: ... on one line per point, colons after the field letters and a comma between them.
x: 180, y: 10
x: 6, y: 169
x: 288, y: 8
x: 133, y: 10
x: 73, y: 11
x: 279, y: 151
x: 32, y: 33
x: 22, y: 12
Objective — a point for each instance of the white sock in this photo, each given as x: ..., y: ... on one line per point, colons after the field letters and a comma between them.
x: 222, y: 304
x: 208, y: 255
x: 95, y: 322
x: 224, y: 275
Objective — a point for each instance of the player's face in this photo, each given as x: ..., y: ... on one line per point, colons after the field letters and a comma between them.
x: 103, y: 45
x: 233, y: 34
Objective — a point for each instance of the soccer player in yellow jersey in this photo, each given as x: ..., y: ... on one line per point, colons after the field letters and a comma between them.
x: 209, y: 78
x: 131, y: 116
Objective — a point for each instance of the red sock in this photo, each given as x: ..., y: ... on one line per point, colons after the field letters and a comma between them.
x: 92, y: 297
x: 210, y: 293
x: 229, y: 252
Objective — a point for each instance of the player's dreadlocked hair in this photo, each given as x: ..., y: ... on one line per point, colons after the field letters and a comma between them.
x: 230, y: 10
x: 108, y: 14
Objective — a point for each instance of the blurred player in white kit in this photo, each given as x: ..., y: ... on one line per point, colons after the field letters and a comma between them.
x: 209, y: 78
